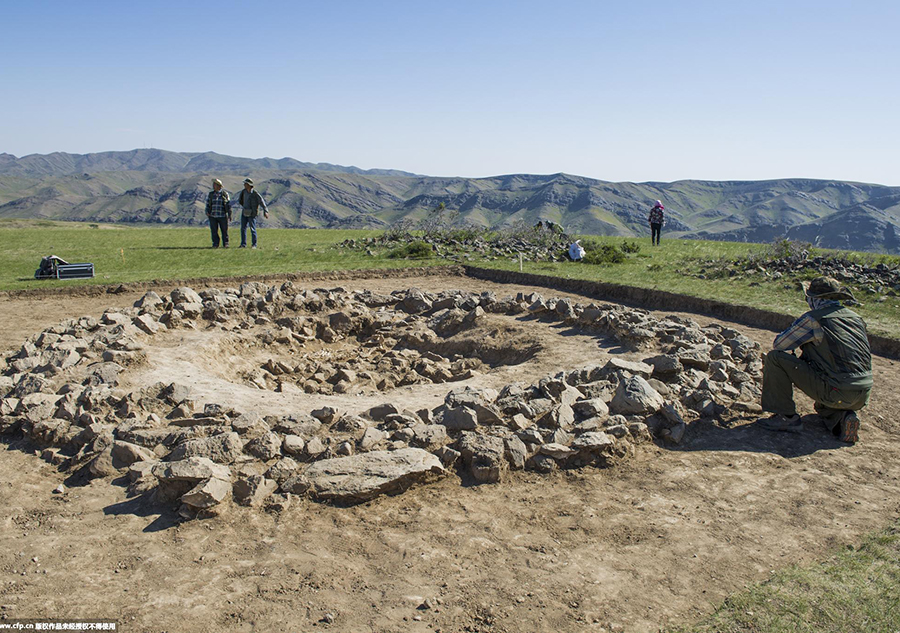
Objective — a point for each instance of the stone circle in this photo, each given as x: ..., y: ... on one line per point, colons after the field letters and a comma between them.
x: 79, y: 391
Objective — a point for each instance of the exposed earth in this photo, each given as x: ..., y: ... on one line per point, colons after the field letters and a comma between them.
x: 658, y: 539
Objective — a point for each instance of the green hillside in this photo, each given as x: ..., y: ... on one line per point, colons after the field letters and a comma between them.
x: 170, y: 188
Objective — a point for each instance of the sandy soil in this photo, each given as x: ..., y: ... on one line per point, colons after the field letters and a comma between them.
x: 657, y: 540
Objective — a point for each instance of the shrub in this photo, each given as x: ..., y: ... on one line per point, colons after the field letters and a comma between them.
x: 630, y: 247
x: 399, y: 231
x: 438, y: 221
x: 605, y: 254
x: 786, y: 248
x: 416, y: 249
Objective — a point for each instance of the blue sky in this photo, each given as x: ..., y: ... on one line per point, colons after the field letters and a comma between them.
x: 636, y: 91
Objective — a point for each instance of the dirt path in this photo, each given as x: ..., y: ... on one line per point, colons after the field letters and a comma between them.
x: 658, y: 540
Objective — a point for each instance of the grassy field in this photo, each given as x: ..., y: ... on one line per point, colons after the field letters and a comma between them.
x: 855, y: 590
x: 673, y: 265
x: 122, y: 254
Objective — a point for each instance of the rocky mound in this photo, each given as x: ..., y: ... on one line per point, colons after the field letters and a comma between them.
x: 545, y: 241
x: 67, y: 389
x: 877, y: 279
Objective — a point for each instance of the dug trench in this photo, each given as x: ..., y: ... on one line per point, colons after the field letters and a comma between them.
x: 658, y: 537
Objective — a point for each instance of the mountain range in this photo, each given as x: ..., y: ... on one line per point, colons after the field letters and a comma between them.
x: 158, y: 186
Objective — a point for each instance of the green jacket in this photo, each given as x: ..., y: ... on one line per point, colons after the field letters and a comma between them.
x: 843, y: 355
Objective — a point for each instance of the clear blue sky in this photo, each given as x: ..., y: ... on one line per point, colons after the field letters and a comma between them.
x: 639, y: 91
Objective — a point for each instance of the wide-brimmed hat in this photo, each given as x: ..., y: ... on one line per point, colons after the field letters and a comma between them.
x: 248, y: 181
x: 216, y: 181
x: 828, y: 288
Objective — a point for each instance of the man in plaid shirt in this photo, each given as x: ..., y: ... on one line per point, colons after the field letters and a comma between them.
x: 218, y: 210
x: 834, y: 367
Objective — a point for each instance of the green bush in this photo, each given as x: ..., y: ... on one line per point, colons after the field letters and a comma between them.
x: 605, y: 254
x: 787, y: 248
x: 416, y: 249
x: 630, y: 247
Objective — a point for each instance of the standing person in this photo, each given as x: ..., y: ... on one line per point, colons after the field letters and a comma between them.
x: 834, y: 367
x: 657, y: 219
x: 218, y: 210
x: 250, y: 202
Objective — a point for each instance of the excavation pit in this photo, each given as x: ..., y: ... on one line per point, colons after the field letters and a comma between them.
x: 258, y: 393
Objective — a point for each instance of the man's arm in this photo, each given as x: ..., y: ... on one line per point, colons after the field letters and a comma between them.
x: 262, y: 203
x: 804, y: 330
x: 208, y: 203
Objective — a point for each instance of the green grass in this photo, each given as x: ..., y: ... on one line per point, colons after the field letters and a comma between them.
x: 671, y: 266
x: 123, y: 254
x: 855, y: 590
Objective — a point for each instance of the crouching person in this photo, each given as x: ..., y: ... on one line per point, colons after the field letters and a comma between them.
x: 834, y: 367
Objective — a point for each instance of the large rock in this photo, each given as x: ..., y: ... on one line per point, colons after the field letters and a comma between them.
x: 616, y: 365
x: 148, y: 301
x: 253, y: 490
x: 429, y: 436
x: 556, y: 451
x: 282, y: 470
x: 249, y: 425
x: 104, y: 374
x: 185, y: 295
x: 207, y: 493
x: 561, y: 416
x: 634, y: 395
x: 664, y: 365
x: 365, y: 476
x: 267, y: 446
x: 415, y: 302
x: 592, y: 441
x: 293, y: 444
x: 591, y: 408
x: 371, y: 437
x: 147, y: 323
x: 192, y: 469
x: 125, y: 454
x: 459, y: 419
x: 222, y: 449
x: 516, y: 452
x: 695, y: 357
x: 484, y: 454
x: 468, y: 396
x: 102, y: 464
x: 190, y: 310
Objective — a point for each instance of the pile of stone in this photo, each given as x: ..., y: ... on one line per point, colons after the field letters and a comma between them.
x: 61, y: 390
x: 881, y: 279
x: 539, y: 245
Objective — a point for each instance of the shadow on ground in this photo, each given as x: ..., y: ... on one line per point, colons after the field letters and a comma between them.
x: 707, y: 435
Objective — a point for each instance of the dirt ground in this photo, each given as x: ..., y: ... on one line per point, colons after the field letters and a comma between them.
x: 658, y: 540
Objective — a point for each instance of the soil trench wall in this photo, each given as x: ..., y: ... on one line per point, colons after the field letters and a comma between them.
x: 96, y: 290
x: 650, y: 299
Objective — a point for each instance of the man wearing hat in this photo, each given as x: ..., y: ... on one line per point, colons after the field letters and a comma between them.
x: 250, y: 202
x: 834, y: 367
x: 218, y: 210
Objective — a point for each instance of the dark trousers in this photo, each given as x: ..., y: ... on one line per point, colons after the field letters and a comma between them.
x: 247, y: 221
x: 216, y: 225
x: 655, y: 230
x: 783, y: 371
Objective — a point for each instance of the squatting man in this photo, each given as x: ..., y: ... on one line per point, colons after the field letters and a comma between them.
x: 834, y: 367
